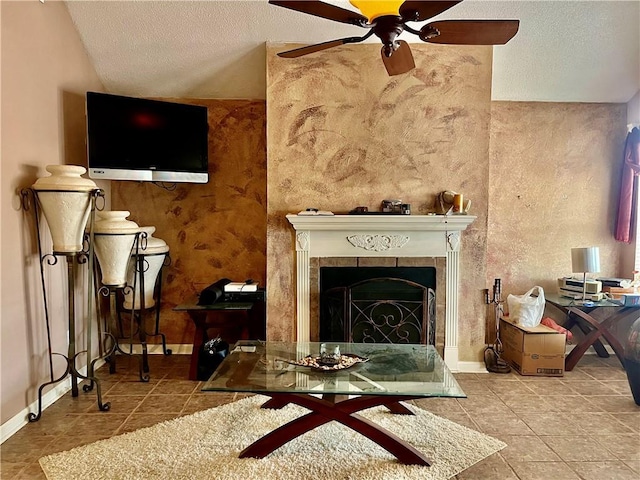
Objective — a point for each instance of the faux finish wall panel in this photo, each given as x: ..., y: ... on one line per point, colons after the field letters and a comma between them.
x: 213, y: 230
x: 341, y: 133
x: 555, y: 171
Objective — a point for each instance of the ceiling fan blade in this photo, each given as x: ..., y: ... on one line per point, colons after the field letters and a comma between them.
x: 470, y: 32
x: 400, y: 61
x: 416, y: 11
x: 299, y: 52
x: 323, y: 10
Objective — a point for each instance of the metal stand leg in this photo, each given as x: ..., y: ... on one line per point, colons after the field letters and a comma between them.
x: 157, y: 307
x: 112, y: 349
x: 71, y: 356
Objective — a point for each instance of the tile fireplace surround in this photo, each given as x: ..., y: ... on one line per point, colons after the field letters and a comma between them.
x: 389, y: 236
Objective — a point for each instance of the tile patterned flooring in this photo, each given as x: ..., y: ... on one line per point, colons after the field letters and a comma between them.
x: 584, y: 425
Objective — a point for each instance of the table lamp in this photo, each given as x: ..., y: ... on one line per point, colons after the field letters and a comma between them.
x: 585, y: 260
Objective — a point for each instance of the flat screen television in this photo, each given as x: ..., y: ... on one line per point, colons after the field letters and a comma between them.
x: 146, y: 140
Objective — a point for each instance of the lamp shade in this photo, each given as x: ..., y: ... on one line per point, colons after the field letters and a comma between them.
x: 585, y: 260
x: 374, y: 9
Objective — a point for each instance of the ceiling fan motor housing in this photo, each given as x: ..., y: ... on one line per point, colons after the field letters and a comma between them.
x: 387, y: 28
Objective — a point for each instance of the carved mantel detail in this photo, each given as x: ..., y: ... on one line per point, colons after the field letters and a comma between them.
x: 303, y: 240
x: 453, y: 239
x: 378, y: 243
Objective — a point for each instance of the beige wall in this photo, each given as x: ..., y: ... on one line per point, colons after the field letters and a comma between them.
x: 553, y: 177
x: 45, y: 73
x: 541, y: 177
x: 342, y: 133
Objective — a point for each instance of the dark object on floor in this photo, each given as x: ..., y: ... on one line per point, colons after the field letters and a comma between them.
x: 213, y: 292
x: 633, y: 375
x: 632, y: 360
x: 211, y: 355
x: 493, y: 362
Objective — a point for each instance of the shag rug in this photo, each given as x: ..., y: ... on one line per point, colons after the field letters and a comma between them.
x: 206, y: 445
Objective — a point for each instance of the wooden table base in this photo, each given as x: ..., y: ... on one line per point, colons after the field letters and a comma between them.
x: 340, y: 409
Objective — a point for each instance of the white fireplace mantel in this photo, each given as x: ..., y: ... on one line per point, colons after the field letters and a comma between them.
x: 381, y: 236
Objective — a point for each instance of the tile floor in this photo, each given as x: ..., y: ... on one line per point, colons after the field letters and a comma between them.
x: 584, y: 425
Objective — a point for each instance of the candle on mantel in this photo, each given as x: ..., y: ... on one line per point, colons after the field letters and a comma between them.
x: 457, y: 203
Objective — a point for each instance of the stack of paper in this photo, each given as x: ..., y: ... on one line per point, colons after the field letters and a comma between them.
x: 241, y: 287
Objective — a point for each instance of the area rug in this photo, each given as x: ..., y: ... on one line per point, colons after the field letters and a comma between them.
x: 206, y: 445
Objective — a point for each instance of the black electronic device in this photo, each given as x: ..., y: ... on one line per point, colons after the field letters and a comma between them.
x: 257, y: 296
x: 213, y: 293
x: 146, y: 140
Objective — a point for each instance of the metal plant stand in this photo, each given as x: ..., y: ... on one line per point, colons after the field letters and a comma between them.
x: 73, y: 259
x: 110, y: 346
x: 142, y: 265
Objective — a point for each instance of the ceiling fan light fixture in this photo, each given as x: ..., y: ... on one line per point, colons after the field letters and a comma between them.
x: 373, y: 9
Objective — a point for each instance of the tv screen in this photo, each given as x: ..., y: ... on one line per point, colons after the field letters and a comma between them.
x: 149, y: 140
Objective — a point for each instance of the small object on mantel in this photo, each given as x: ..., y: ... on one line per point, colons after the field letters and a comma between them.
x: 312, y: 212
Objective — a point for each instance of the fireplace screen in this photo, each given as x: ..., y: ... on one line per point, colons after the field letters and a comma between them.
x: 379, y: 310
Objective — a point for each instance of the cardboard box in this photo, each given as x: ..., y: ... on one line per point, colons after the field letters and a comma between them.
x: 618, y: 292
x: 533, y: 351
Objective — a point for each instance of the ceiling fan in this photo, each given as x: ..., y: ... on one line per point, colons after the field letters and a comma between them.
x: 388, y: 19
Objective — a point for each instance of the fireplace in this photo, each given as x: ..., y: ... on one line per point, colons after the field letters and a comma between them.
x: 377, y: 304
x: 394, y: 240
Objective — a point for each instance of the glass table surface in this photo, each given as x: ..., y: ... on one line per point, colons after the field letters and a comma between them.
x: 391, y: 369
x: 570, y: 302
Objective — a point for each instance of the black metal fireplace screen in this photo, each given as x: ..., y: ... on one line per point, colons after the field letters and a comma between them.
x: 379, y: 310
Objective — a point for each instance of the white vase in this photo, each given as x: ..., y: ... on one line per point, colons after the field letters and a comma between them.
x: 65, y: 199
x: 114, y: 239
x: 154, y: 255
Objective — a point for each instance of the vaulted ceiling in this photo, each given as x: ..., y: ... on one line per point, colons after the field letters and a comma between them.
x: 565, y: 51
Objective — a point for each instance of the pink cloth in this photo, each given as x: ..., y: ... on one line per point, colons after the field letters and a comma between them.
x: 549, y: 322
x: 630, y: 169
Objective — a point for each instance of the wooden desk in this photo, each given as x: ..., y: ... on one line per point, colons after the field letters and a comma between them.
x: 249, y: 323
x: 581, y: 316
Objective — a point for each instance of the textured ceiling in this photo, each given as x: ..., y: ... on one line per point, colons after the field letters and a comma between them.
x: 565, y: 51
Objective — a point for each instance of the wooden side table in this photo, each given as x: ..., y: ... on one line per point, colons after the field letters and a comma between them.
x: 581, y: 315
x: 250, y: 323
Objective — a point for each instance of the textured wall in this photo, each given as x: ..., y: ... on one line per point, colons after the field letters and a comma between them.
x: 213, y: 230
x: 554, y: 172
x: 338, y: 139
x: 342, y: 133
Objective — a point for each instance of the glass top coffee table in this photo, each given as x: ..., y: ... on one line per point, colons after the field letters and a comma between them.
x: 379, y: 374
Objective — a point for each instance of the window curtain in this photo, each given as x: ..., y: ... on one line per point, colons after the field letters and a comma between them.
x: 630, y: 169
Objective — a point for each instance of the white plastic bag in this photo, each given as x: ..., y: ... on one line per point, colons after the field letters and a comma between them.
x: 527, y: 309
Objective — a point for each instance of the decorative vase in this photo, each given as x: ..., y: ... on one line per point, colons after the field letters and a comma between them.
x: 153, y: 257
x: 114, y: 239
x: 632, y: 360
x: 66, y: 203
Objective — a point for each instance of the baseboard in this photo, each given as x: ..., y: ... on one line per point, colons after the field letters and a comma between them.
x: 18, y: 421
x: 156, y: 349
x: 14, y: 424
x: 471, y: 367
